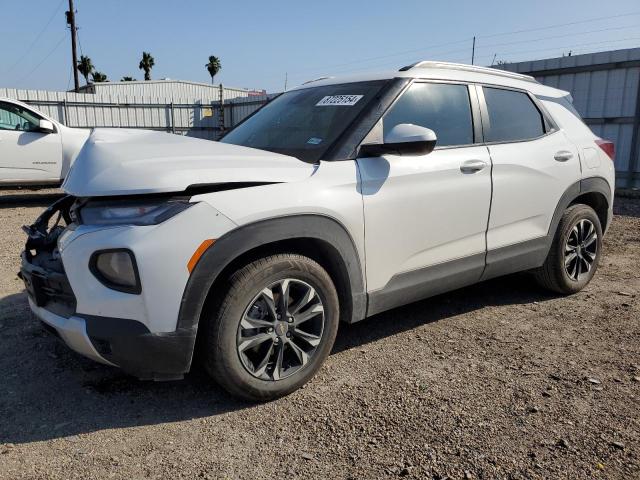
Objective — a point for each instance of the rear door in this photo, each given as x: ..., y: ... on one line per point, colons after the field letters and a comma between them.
x: 534, y: 163
x: 426, y: 215
x: 27, y: 155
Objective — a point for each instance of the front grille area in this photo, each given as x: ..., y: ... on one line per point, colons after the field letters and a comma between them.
x: 47, y: 283
x: 42, y: 270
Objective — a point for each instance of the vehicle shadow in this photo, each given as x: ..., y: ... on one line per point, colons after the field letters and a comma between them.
x: 50, y: 392
x: 510, y: 290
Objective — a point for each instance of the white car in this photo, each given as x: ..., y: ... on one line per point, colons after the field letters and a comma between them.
x: 338, y: 200
x: 35, y: 149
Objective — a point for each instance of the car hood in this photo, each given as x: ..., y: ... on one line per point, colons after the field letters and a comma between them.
x: 126, y: 162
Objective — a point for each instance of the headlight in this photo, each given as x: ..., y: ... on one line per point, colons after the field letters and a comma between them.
x: 143, y: 212
x: 116, y: 269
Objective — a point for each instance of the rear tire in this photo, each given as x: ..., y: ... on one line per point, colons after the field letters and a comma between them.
x: 260, y: 343
x: 575, y: 252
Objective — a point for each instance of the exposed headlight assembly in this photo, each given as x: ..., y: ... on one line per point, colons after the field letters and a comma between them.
x: 131, y: 212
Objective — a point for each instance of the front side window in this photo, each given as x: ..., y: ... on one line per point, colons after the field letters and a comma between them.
x: 305, y: 123
x: 444, y: 108
x: 14, y: 117
x: 512, y: 116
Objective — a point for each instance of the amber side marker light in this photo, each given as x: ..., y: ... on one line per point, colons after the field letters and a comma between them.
x: 198, y: 253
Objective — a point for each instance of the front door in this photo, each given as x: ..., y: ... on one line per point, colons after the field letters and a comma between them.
x: 426, y: 215
x: 27, y: 155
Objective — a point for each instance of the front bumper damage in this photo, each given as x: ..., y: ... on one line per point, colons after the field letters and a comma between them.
x: 119, y: 342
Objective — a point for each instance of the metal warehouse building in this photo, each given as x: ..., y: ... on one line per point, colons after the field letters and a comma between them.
x: 168, y: 88
x: 606, y: 91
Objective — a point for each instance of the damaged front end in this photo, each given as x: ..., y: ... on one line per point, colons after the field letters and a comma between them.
x: 42, y: 270
x: 121, y: 342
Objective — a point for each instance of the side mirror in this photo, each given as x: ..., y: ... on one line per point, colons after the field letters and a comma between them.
x: 403, y: 139
x: 45, y: 126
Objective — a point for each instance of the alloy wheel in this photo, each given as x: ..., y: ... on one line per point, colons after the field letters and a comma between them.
x: 580, y: 249
x: 280, y: 330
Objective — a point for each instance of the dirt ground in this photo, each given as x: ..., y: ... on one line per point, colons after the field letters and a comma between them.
x: 499, y: 380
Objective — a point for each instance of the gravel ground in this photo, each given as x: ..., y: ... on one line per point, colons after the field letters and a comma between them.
x: 499, y: 380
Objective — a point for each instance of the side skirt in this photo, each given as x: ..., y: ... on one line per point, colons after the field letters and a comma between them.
x: 426, y: 282
x: 517, y: 257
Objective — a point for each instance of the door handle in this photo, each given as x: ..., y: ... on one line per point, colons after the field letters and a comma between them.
x: 472, y: 166
x: 563, y: 156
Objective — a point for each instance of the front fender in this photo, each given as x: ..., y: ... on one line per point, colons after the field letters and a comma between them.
x: 248, y: 237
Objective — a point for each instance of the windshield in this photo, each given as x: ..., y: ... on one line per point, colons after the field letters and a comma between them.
x: 305, y: 123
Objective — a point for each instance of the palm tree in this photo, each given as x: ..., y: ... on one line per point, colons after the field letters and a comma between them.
x: 98, y: 77
x: 85, y: 67
x: 146, y: 64
x: 214, y: 66
x: 128, y: 79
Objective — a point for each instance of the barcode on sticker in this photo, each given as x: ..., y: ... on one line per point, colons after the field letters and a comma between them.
x: 339, y: 100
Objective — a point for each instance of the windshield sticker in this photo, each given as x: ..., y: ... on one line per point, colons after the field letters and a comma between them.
x: 339, y: 100
x: 314, y: 141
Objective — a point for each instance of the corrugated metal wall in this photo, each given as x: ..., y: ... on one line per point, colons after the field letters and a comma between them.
x: 605, y: 87
x: 196, y: 118
x: 167, y: 89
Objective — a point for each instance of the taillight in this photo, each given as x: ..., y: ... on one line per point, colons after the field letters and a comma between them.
x: 608, y: 147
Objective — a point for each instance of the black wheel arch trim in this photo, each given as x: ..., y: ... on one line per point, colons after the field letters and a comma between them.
x: 253, y: 235
x: 586, y: 185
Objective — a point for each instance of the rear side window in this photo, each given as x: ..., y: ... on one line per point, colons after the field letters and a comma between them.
x: 444, y: 108
x: 512, y: 116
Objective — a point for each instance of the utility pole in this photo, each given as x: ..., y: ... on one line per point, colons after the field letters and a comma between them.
x: 473, y: 49
x: 285, y: 80
x: 71, y: 21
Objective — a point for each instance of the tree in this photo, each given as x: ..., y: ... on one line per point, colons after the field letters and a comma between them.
x: 99, y: 77
x: 146, y: 64
x: 85, y: 67
x: 128, y: 79
x: 213, y: 67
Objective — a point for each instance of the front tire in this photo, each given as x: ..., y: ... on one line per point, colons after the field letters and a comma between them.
x: 575, y: 252
x: 273, y: 329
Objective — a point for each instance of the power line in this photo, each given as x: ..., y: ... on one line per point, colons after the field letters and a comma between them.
x: 79, y: 42
x: 69, y: 81
x: 557, y: 36
x: 466, y: 50
x: 55, y: 12
x: 573, y: 46
x: 447, y: 52
x: 517, y: 52
x: 45, y: 58
x: 454, y: 42
x: 591, y: 20
x: 405, y: 52
x: 78, y: 35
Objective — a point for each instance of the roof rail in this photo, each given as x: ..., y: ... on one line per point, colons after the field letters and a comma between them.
x: 469, y: 68
x: 316, y: 80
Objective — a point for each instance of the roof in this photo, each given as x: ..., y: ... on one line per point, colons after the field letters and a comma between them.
x: 435, y: 70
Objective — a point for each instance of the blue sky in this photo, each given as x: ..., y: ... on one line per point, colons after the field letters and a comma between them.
x: 258, y: 42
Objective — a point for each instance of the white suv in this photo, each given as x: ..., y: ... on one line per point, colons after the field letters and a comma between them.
x: 336, y: 201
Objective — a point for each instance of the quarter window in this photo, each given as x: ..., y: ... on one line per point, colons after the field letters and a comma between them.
x: 512, y: 116
x: 444, y: 108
